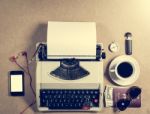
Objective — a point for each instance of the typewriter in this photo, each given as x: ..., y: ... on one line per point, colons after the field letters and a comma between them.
x: 70, y: 78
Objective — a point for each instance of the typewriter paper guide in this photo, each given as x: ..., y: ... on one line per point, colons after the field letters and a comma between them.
x: 71, y: 39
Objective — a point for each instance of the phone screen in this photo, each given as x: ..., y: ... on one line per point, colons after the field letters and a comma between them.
x: 17, y: 83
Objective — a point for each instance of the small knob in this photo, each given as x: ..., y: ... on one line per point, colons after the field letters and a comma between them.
x: 103, y: 55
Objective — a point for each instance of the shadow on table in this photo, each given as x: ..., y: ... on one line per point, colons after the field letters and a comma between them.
x: 39, y: 35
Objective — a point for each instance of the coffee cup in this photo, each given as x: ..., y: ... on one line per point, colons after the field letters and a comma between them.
x: 123, y: 70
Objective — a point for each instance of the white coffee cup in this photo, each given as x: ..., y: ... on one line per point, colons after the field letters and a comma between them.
x: 129, y: 70
x: 125, y: 79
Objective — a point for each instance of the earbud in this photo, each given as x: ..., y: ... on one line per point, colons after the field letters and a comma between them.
x: 23, y: 53
x: 13, y: 58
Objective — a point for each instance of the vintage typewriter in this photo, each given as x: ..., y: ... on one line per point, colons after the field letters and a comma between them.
x: 70, y: 81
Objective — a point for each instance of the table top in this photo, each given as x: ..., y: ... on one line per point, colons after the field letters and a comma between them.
x: 24, y: 23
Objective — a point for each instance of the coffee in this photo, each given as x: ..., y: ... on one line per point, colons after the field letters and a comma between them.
x: 125, y: 69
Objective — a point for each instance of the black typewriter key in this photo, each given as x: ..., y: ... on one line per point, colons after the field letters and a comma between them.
x: 93, y: 96
x: 86, y: 96
x: 70, y: 92
x: 87, y: 92
x: 62, y: 104
x: 60, y: 100
x: 66, y: 105
x: 51, y: 100
x: 64, y: 96
x: 61, y: 92
x: 52, y: 92
x: 56, y: 92
x: 49, y: 105
x: 78, y: 92
x: 74, y: 92
x: 59, y: 96
x: 55, y: 100
x: 48, y: 92
x: 71, y: 96
x: 80, y: 105
x: 81, y: 100
x: 64, y: 100
x: 53, y: 106
x: 91, y: 92
x: 75, y: 105
x: 76, y: 96
x: 46, y: 96
x: 68, y: 101
x: 72, y: 100
x: 81, y: 96
x: 82, y: 92
x: 71, y: 105
x: 43, y: 102
x: 65, y: 92
x: 50, y: 96
x: 55, y: 96
x: 96, y: 92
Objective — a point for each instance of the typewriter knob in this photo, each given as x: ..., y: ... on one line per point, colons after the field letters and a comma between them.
x: 103, y: 55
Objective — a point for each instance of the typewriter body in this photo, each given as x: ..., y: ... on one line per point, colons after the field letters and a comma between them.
x: 68, y: 82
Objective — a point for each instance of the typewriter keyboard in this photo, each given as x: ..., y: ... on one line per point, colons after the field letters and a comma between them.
x: 69, y: 99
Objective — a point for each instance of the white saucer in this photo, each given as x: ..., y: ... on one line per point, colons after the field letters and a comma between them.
x: 125, y: 81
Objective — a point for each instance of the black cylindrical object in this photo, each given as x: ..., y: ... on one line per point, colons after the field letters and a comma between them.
x: 128, y: 43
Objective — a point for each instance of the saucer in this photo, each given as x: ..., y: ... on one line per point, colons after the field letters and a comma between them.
x: 124, y: 81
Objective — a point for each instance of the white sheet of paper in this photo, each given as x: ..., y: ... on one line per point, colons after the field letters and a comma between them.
x: 71, y: 39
